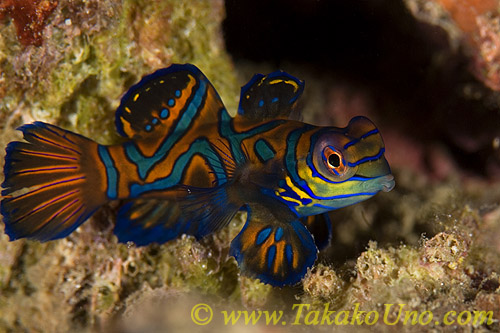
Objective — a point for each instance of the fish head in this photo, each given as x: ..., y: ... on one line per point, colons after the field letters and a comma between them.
x: 338, y: 167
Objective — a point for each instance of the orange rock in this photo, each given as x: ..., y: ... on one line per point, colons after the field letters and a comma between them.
x: 464, y: 12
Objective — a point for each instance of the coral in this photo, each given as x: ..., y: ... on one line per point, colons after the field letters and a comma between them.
x: 30, y: 17
x: 488, y: 41
x: 254, y: 294
x: 93, y: 51
x: 472, y: 23
x: 323, y: 284
x: 464, y: 12
x: 439, y: 276
x: 431, y: 244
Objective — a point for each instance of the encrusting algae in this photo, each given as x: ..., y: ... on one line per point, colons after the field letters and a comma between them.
x: 430, y: 246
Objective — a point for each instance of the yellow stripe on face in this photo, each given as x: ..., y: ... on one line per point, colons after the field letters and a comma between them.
x: 278, y: 193
x: 321, y: 188
x: 295, y: 189
x: 299, y: 192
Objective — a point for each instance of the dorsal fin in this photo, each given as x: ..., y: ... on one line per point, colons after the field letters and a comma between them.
x: 151, y: 107
x: 271, y: 96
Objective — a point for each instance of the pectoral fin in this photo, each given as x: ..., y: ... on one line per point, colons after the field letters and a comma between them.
x: 277, y: 253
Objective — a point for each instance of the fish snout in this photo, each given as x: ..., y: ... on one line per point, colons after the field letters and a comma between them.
x: 387, y: 182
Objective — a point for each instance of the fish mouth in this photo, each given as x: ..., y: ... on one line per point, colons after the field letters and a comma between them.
x: 387, y: 182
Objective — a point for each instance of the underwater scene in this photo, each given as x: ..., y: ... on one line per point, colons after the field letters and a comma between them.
x: 250, y: 166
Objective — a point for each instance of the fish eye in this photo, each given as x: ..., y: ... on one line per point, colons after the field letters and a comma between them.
x: 333, y: 161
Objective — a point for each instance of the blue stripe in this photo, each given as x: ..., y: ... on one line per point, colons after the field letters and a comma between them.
x: 290, y: 158
x: 291, y: 161
x: 144, y: 164
x: 278, y: 234
x: 368, y: 158
x: 353, y: 142
x: 291, y: 205
x: 344, y: 196
x: 111, y: 173
x: 235, y: 138
x: 289, y: 253
x: 200, y: 146
x: 315, y: 173
x: 291, y: 164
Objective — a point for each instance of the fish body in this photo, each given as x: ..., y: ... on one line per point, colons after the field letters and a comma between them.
x: 187, y: 167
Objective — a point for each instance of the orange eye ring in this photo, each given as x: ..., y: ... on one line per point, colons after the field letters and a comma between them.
x: 334, y: 161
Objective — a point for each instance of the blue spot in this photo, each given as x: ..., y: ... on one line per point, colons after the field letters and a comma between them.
x: 262, y: 236
x: 264, y: 150
x: 289, y: 253
x: 164, y: 113
x: 274, y: 100
x: 177, y: 93
x: 148, y: 127
x: 171, y: 102
x: 261, y: 103
x: 271, y: 253
x: 154, y: 121
x: 144, y: 164
x: 278, y: 234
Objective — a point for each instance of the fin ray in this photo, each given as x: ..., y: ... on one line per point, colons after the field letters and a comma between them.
x: 272, y: 96
x: 163, y: 100
x: 275, y: 252
x: 197, y: 213
x: 48, y: 196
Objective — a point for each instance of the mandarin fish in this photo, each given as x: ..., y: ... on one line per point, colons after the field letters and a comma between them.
x: 187, y: 167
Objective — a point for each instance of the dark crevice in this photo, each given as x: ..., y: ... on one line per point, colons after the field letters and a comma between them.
x: 417, y: 81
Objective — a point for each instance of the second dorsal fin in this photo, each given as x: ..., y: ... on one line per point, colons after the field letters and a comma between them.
x: 271, y: 96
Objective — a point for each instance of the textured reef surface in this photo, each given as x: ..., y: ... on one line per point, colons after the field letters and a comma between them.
x: 433, y: 243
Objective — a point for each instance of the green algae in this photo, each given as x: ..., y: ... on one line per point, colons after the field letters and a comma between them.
x: 96, y: 52
x: 91, y: 53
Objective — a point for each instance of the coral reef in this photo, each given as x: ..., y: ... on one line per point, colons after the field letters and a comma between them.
x: 79, y: 61
x: 29, y: 17
x: 93, y: 51
x: 472, y: 23
x: 430, y: 244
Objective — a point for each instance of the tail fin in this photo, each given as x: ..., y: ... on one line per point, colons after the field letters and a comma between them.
x: 51, y: 183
